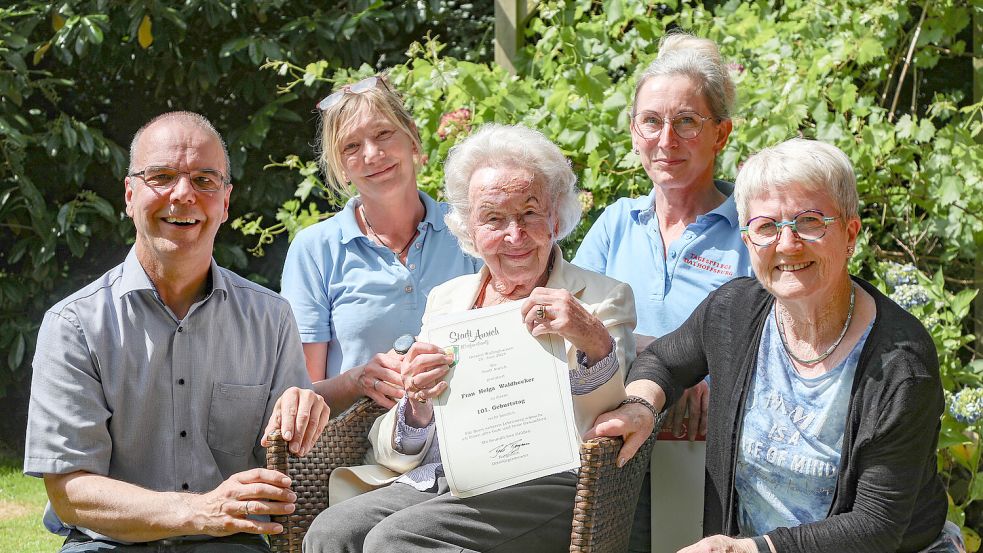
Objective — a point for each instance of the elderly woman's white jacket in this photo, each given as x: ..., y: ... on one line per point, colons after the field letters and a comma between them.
x: 609, y: 300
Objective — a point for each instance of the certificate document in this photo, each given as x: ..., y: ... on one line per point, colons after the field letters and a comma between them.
x: 507, y: 416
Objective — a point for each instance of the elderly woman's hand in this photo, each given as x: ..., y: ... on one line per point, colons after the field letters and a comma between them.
x: 722, y: 544
x: 423, y: 370
x: 553, y: 311
x: 631, y: 421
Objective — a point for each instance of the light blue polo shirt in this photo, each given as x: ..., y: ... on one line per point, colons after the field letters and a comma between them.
x: 355, y: 295
x: 624, y: 243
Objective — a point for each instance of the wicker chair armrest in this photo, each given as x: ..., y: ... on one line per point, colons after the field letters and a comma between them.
x: 604, y: 506
x: 343, y: 443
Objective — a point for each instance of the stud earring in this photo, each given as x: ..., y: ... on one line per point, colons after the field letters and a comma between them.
x: 636, y: 151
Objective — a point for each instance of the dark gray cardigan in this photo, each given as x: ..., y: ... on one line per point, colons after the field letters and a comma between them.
x: 888, y: 496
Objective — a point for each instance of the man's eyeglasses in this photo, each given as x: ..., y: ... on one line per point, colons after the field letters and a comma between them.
x: 686, y: 124
x: 360, y: 87
x: 808, y: 225
x: 163, y: 178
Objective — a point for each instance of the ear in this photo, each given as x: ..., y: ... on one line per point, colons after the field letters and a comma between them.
x: 853, y: 230
x: 724, y: 129
x: 225, y: 210
x: 128, y: 196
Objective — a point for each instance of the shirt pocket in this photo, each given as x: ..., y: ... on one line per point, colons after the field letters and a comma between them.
x: 235, y: 416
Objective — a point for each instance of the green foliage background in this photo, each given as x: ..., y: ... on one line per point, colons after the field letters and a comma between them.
x: 77, y: 78
x: 828, y: 70
x: 889, y: 82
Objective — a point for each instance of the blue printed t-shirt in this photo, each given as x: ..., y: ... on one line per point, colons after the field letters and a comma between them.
x: 624, y: 243
x: 355, y: 295
x: 791, y: 438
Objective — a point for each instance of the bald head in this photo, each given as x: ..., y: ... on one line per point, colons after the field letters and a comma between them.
x: 189, y: 118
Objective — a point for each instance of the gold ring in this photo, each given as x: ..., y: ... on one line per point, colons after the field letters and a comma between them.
x: 541, y: 312
x: 421, y: 396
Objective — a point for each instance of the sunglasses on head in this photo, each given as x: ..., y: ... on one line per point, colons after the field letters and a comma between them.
x: 359, y: 87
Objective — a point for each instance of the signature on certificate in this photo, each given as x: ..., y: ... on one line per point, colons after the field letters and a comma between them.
x: 506, y: 450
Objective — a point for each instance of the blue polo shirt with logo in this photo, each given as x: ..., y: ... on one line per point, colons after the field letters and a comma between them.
x: 356, y: 295
x: 624, y: 243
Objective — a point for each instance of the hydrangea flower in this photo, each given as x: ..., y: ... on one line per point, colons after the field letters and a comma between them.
x: 905, y: 289
x: 898, y: 274
x: 454, y: 122
x: 909, y: 295
x: 586, y: 200
x: 967, y: 405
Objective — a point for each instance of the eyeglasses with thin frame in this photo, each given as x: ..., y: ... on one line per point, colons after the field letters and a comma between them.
x: 808, y: 225
x: 359, y: 87
x: 164, y: 178
x: 686, y: 124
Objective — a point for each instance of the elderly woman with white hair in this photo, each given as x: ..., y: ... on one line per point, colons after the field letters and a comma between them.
x: 828, y: 402
x: 512, y: 196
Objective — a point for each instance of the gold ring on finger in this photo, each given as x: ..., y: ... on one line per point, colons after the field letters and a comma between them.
x: 421, y: 396
x: 541, y: 312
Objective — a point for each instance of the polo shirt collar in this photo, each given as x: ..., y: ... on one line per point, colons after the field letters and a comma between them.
x: 643, y: 208
x: 134, y: 277
x: 349, y: 226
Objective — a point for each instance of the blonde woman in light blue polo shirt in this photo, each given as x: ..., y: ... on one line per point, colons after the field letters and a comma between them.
x: 359, y: 280
x: 682, y: 241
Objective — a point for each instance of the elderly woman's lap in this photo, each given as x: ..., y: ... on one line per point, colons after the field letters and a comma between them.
x: 535, y: 516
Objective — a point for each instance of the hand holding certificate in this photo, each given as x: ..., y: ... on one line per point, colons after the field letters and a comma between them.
x: 507, y: 415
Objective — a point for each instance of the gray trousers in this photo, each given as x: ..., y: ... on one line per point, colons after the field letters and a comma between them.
x: 78, y: 542
x: 535, y: 516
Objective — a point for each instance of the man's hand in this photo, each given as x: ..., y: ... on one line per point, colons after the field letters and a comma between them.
x: 696, y: 401
x: 631, y: 421
x: 126, y: 512
x: 226, y: 509
x: 301, y: 416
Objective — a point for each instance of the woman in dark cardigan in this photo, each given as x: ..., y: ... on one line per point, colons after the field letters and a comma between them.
x: 823, y: 430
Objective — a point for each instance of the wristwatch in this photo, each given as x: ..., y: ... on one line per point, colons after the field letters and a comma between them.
x: 404, y: 343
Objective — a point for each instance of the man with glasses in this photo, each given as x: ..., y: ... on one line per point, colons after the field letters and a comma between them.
x: 151, y: 385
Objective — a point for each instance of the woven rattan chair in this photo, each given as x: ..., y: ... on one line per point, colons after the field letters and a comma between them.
x: 603, y: 508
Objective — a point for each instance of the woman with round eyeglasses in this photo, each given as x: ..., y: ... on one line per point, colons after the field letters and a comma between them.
x: 359, y: 281
x: 680, y: 242
x: 827, y: 400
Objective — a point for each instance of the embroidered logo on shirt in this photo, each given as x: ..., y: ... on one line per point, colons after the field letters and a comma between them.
x: 709, y: 265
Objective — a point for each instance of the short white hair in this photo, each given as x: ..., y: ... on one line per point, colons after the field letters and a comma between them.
x: 809, y: 164
x: 512, y: 146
